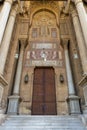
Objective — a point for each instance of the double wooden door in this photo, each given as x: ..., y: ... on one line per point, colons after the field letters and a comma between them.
x: 44, y: 95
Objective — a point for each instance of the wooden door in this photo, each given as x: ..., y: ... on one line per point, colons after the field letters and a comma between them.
x: 44, y: 95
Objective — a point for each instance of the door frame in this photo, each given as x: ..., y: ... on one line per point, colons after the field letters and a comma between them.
x: 59, y: 102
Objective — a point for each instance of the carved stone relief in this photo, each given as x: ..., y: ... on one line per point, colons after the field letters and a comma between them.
x: 43, y: 26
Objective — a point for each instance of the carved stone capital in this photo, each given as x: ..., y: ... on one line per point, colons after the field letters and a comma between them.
x: 77, y: 1
x: 14, y: 10
x: 9, y: 1
x: 65, y: 43
x: 66, y: 10
x: 73, y: 11
x: 23, y: 43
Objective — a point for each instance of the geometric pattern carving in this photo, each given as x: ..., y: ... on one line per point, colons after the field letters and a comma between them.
x: 39, y: 54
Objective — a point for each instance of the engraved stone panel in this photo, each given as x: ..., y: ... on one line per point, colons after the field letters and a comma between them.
x: 24, y: 28
x: 63, y: 29
x: 44, y: 45
x: 58, y: 63
x: 47, y: 63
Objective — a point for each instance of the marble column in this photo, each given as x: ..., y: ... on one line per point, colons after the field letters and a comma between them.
x: 73, y: 100
x: 79, y: 38
x: 82, y: 16
x: 4, y: 50
x: 14, y: 99
x: 4, y: 14
x: 7, y: 38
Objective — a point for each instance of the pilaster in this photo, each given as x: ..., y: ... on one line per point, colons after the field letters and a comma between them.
x: 14, y: 99
x: 72, y: 99
x: 79, y: 38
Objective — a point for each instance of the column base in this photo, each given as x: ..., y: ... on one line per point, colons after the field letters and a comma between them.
x: 13, y: 105
x: 74, y: 106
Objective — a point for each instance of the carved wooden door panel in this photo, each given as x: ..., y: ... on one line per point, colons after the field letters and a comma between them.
x: 44, y: 95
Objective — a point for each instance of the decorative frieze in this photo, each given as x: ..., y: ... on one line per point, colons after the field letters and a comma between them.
x: 44, y: 45
x: 39, y: 54
x: 58, y: 63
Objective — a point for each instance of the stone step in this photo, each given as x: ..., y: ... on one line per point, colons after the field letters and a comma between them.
x: 37, y: 120
x: 46, y: 127
x: 24, y: 122
x: 44, y: 121
x: 42, y: 126
x: 40, y: 122
x: 41, y: 129
x: 40, y: 116
x: 57, y: 119
x: 45, y: 116
x: 45, y: 124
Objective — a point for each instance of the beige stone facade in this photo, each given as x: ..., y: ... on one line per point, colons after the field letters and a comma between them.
x: 43, y: 28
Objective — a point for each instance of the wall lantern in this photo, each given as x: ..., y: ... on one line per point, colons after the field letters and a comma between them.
x: 61, y: 78
x: 26, y: 78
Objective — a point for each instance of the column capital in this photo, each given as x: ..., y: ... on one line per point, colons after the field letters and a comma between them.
x: 14, y: 10
x: 65, y: 43
x: 77, y: 1
x: 23, y: 42
x: 73, y: 10
x: 9, y: 1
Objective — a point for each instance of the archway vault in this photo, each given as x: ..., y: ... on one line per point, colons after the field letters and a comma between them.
x: 47, y: 9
